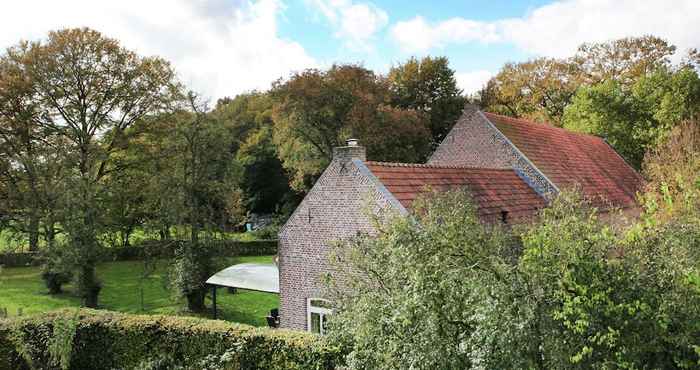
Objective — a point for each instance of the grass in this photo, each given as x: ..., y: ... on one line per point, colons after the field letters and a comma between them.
x: 22, y: 289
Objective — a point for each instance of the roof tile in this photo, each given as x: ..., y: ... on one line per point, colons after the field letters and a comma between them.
x: 571, y: 159
x: 493, y: 190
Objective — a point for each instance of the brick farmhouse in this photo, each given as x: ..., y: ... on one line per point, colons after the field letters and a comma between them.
x: 511, y: 167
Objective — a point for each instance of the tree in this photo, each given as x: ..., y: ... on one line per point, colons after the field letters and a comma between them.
x: 33, y: 167
x: 673, y: 173
x: 428, y: 86
x: 265, y: 183
x: 88, y: 90
x: 624, y: 60
x: 607, y: 299
x: 542, y: 89
x: 539, y: 89
x: 125, y: 201
x: 418, y: 296
x: 635, y: 119
x: 204, y: 195
x: 317, y: 110
x: 442, y: 290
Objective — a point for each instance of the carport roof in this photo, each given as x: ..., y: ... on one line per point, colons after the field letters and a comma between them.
x: 262, y: 277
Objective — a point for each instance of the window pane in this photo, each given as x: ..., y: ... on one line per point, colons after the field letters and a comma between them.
x: 315, y: 323
x: 324, y: 323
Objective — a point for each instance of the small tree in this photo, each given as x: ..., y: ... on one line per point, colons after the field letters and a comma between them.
x: 413, y: 295
x: 673, y: 171
x: 207, y: 196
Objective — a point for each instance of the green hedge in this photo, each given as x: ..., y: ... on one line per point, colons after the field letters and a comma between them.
x: 109, y: 340
x: 224, y: 248
x: 20, y: 259
x: 157, y: 248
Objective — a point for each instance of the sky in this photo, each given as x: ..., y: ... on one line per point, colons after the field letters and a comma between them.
x: 225, y: 47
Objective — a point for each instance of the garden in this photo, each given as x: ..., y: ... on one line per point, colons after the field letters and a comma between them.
x: 126, y: 289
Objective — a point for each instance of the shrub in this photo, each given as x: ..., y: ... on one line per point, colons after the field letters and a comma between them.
x: 268, y: 232
x: 55, y: 280
x: 109, y: 340
x: 55, y: 269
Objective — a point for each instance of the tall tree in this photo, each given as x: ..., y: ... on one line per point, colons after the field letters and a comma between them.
x: 428, y: 85
x: 32, y: 155
x: 88, y: 90
x: 542, y: 88
x: 248, y: 118
x: 623, y: 60
x: 539, y: 89
x: 200, y: 194
x: 412, y: 297
x: 317, y: 110
x: 635, y: 119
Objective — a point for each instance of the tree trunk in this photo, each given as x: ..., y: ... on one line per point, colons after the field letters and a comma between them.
x: 49, y: 233
x: 89, y: 286
x: 125, y: 235
x: 195, y: 300
x: 33, y: 232
x: 164, y: 233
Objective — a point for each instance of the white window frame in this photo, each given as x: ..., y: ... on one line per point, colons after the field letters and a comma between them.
x: 321, y: 311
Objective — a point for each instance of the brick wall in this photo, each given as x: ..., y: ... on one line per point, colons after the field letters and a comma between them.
x: 334, y: 209
x: 476, y: 142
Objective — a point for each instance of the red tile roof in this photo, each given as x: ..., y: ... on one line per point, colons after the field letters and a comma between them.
x: 569, y: 159
x: 493, y: 190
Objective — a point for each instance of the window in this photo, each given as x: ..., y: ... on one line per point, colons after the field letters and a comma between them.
x: 317, y: 311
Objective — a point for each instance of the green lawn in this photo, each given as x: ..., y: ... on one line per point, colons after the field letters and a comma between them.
x: 22, y: 289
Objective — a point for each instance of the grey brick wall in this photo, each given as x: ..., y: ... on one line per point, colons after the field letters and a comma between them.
x: 476, y: 142
x: 334, y: 209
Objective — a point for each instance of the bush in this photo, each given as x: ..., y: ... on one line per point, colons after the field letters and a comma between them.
x: 55, y: 269
x: 109, y: 340
x: 268, y: 232
x: 55, y: 280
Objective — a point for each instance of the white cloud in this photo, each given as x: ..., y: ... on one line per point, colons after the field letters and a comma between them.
x: 417, y: 35
x: 471, y: 82
x: 218, y: 47
x: 557, y: 29
x: 356, y: 23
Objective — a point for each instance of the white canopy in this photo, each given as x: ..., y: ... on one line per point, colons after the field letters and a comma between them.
x: 263, y: 277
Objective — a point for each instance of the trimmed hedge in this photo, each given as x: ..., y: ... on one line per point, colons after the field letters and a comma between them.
x: 20, y: 259
x: 224, y: 248
x: 110, y: 340
x: 157, y: 248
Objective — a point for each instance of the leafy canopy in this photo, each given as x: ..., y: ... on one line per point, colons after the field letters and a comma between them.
x: 317, y: 110
x: 442, y: 290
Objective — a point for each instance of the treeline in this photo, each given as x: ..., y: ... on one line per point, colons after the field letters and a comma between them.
x: 627, y: 91
x: 97, y: 143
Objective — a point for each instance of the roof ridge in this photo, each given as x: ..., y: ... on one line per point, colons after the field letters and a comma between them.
x: 547, y: 125
x: 426, y: 165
